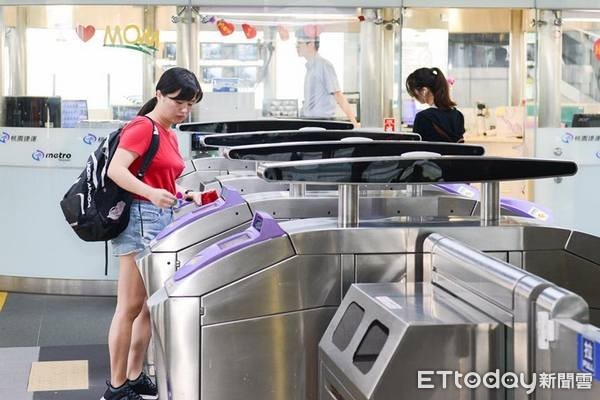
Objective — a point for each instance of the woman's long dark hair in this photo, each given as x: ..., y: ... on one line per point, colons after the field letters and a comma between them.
x: 435, y: 81
x: 172, y: 80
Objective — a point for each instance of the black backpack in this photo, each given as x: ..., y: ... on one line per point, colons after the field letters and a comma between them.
x: 95, y: 207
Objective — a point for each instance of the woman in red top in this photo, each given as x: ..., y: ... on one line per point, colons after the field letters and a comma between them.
x: 176, y: 92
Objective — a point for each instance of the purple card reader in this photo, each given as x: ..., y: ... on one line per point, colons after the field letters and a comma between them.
x: 263, y: 228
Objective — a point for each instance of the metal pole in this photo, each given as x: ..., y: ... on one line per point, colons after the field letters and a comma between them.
x: 297, y: 190
x: 149, y: 67
x: 490, y: 202
x: 371, y: 87
x: 348, y: 206
x: 517, y: 58
x: 17, y: 50
x: 387, y: 62
x: 549, y: 67
x: 188, y: 50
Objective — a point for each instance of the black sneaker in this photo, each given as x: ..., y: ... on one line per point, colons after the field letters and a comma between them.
x: 123, y: 392
x: 144, y: 386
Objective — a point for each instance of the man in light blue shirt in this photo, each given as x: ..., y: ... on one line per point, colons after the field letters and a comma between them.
x: 321, y: 87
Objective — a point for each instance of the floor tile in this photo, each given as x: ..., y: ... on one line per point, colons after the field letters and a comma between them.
x: 20, y: 394
x: 15, y: 367
x: 97, y: 356
x: 58, y: 376
x: 20, y: 330
x: 75, y: 320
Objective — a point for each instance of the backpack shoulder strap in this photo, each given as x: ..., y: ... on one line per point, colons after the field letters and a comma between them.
x: 152, y: 149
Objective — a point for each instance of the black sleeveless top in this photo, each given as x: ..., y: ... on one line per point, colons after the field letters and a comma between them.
x: 439, y: 125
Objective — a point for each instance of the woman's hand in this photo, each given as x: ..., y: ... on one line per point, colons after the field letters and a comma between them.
x: 196, y: 197
x: 201, y: 197
x: 162, y: 198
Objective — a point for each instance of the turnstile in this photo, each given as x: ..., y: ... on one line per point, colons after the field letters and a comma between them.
x: 202, y: 226
x: 475, y: 327
x: 198, y: 227
x: 243, y: 318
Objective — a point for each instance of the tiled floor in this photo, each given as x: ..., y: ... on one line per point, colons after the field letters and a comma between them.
x: 53, y: 328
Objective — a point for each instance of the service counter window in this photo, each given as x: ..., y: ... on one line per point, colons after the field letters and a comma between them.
x: 252, y: 61
x: 580, y: 84
x: 482, y: 52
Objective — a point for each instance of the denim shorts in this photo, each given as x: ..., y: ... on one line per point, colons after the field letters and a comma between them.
x: 153, y: 220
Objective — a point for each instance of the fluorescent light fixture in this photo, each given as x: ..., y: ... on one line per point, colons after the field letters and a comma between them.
x: 297, y: 13
x: 581, y: 15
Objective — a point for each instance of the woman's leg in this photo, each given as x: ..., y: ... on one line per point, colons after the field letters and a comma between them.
x: 140, y: 337
x: 131, y: 296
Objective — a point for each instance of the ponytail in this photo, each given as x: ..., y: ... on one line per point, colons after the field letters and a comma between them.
x: 435, y: 81
x: 441, y: 90
x: 149, y: 106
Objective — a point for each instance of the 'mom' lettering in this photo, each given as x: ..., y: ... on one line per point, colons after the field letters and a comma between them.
x: 130, y: 35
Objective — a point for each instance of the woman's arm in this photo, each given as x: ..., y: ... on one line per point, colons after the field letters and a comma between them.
x: 118, y: 171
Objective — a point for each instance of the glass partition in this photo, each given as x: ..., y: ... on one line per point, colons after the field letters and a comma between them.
x: 483, y: 53
x: 580, y: 86
x: 103, y: 61
x: 255, y: 59
x: 569, y: 113
x: 76, y: 65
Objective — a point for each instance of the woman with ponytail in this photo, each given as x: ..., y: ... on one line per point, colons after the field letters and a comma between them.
x: 441, y: 122
x: 151, y: 210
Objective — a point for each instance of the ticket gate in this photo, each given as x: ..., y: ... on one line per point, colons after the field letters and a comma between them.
x: 214, y: 172
x: 474, y: 327
x: 200, y: 129
x: 232, y: 213
x: 198, y: 227
x: 243, y: 318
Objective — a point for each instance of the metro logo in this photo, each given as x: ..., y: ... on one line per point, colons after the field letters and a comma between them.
x: 5, y: 137
x: 39, y: 155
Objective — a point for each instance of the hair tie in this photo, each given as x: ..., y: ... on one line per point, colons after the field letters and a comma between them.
x: 434, y: 72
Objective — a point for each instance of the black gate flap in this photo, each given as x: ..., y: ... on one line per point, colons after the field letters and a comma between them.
x: 241, y: 139
x: 415, y: 170
x: 254, y: 125
x: 298, y: 151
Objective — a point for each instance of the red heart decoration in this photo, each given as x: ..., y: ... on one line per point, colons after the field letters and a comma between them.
x: 225, y: 27
x: 249, y: 31
x: 85, y: 33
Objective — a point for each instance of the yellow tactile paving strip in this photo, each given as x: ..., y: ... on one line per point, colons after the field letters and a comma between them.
x: 2, y: 299
x: 58, y: 375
